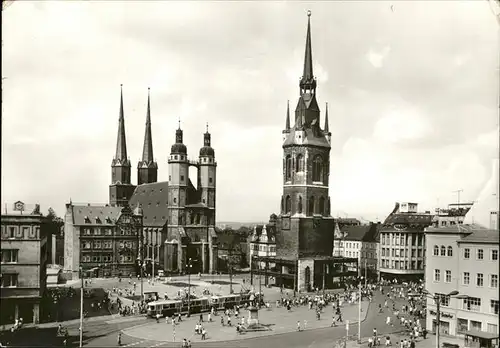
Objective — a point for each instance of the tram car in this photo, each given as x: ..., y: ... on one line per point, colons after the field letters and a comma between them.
x: 163, y: 308
x: 229, y: 301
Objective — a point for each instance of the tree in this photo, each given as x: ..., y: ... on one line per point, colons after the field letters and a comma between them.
x: 56, y: 223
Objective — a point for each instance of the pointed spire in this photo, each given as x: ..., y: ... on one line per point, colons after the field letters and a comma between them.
x: 147, y: 150
x: 287, y: 123
x: 178, y: 133
x: 327, y: 130
x: 121, y: 143
x: 307, y: 80
x: 206, y: 138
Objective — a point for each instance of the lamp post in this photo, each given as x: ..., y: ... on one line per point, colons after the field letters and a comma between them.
x: 359, y: 310
x: 81, y: 307
x: 189, y: 266
x: 138, y: 223
x: 437, y: 298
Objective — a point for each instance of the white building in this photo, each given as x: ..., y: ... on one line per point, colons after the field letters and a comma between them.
x: 263, y: 244
x: 360, y: 241
x: 463, y: 258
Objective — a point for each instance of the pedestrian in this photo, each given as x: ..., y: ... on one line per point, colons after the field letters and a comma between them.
x: 305, y: 324
x: 298, y: 325
x: 119, y: 339
x: 203, y: 334
x: 221, y: 320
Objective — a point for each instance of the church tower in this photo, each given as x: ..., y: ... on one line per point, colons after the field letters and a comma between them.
x: 306, y: 150
x: 178, y: 179
x: 121, y: 188
x: 147, y: 168
x: 207, y: 179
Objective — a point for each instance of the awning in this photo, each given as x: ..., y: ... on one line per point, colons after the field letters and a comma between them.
x: 482, y: 334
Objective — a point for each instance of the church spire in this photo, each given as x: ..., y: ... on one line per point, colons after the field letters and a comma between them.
x: 147, y: 151
x: 121, y: 143
x: 307, y: 81
x: 326, y: 129
x: 287, y: 123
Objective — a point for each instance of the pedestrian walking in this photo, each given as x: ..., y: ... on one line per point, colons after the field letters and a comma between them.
x: 119, y: 339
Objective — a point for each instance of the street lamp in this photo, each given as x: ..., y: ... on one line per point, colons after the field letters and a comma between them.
x: 81, y: 307
x: 437, y: 298
x: 189, y: 266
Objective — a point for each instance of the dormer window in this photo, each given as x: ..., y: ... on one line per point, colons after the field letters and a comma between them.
x: 108, y: 220
x: 87, y: 220
x: 97, y: 220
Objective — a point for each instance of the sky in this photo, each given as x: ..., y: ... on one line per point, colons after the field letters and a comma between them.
x: 412, y: 89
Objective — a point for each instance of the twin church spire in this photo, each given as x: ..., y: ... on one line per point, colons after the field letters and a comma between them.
x: 147, y: 168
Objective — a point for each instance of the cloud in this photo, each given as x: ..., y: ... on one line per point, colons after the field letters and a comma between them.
x: 377, y: 58
x: 413, y: 96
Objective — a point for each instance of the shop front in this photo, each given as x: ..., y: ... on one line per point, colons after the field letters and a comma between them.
x: 445, y: 327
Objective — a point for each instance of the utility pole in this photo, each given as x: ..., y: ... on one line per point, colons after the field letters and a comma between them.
x: 230, y: 270
x: 438, y: 318
x: 366, y: 278
x: 189, y: 265
x: 324, y: 278
x: 81, y: 307
x: 153, y: 259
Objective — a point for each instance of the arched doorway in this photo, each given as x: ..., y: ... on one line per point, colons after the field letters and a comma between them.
x: 307, y: 278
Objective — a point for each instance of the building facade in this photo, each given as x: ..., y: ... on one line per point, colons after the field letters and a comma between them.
x: 104, y: 240
x: 402, y: 243
x: 263, y: 243
x: 360, y: 241
x: 453, y: 215
x: 24, y: 259
x: 463, y: 258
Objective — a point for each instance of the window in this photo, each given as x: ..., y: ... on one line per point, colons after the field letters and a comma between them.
x: 475, y: 325
x: 419, y: 252
x: 299, y: 163
x: 413, y: 253
x: 288, y: 205
x: 318, y: 169
x: 450, y: 251
x: 97, y: 244
x: 321, y: 205
x: 445, y: 300
x: 462, y: 325
x: 443, y: 250
x: 9, y: 255
x: 210, y: 180
x: 472, y: 304
x: 480, y: 254
x: 437, y: 275
x: 12, y: 232
x: 448, y: 276
x: 466, y: 278
x: 436, y: 250
x: 494, y: 255
x: 311, y: 205
x: 383, y: 251
x: 288, y: 168
x: 493, y: 280
x: 479, y: 279
x: 9, y: 280
x: 182, y: 177
x: 492, y: 328
x: 397, y: 252
x: 494, y: 306
x: 466, y: 253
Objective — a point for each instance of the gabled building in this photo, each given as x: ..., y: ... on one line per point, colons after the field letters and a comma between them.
x: 262, y: 242
x: 101, y: 240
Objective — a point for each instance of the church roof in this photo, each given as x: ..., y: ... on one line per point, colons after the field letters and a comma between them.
x: 92, y: 215
x: 310, y: 138
x: 153, y: 199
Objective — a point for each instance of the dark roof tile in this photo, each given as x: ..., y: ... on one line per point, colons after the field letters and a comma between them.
x: 153, y: 199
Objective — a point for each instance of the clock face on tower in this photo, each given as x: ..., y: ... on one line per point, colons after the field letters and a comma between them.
x: 286, y: 223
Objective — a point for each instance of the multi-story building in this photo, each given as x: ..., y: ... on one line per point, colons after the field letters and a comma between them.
x: 360, y: 241
x: 100, y: 238
x: 463, y: 258
x: 453, y: 215
x: 402, y: 243
x: 24, y: 263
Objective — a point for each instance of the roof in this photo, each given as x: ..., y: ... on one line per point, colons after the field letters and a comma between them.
x: 153, y: 199
x: 482, y: 236
x: 365, y: 233
x: 454, y: 229
x: 409, y: 218
x: 270, y: 231
x: 92, y: 215
x: 310, y: 138
x: 482, y: 334
x: 21, y: 208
